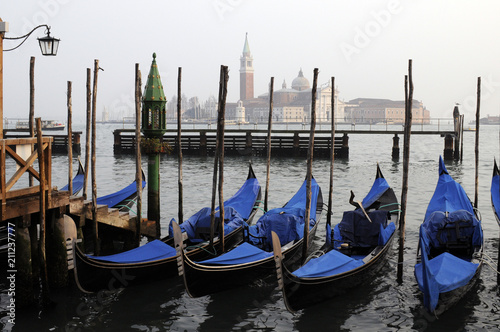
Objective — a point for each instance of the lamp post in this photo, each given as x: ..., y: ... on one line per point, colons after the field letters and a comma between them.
x: 48, y: 46
x: 154, y: 125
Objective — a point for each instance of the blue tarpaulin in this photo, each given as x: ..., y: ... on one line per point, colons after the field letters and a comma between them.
x: 356, y: 229
x: 149, y: 252
x: 77, y: 184
x: 113, y: 199
x: 449, y: 219
x: 495, y: 193
x: 244, y: 253
x: 237, y: 210
x: 287, y: 222
x: 449, y: 194
x: 379, y: 187
x: 329, y: 264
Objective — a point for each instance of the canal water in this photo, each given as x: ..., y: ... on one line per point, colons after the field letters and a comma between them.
x: 381, y: 305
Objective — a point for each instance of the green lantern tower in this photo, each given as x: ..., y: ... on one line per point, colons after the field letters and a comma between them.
x: 153, y: 126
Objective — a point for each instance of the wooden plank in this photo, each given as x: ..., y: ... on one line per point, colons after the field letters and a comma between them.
x: 25, y: 164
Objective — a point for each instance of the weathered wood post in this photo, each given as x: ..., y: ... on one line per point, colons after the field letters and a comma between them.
x: 70, y: 141
x: 32, y: 107
x: 24, y: 265
x: 296, y: 144
x: 203, y: 143
x: 219, y: 140
x: 448, y: 147
x: 221, y: 157
x: 97, y: 246
x: 476, y: 148
x: 138, y: 160
x: 87, y: 135
x: 344, y: 150
x: 269, y: 129
x: 456, y: 129
x: 42, y: 246
x: 395, y: 147
x: 332, y: 159
x: 406, y: 164
x: 179, y: 147
x: 310, y: 153
x: 154, y: 126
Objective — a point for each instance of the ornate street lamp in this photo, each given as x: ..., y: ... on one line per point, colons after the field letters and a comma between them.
x: 48, y: 46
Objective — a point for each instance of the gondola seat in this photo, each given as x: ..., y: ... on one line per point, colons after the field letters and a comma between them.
x: 356, y: 231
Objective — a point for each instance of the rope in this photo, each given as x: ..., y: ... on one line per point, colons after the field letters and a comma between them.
x: 214, y: 253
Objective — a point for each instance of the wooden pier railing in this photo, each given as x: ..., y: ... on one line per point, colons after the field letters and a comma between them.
x: 202, y: 143
x: 59, y: 142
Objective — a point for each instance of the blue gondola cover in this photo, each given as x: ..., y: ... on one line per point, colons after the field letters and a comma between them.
x: 149, y: 252
x: 113, y: 199
x: 236, y: 211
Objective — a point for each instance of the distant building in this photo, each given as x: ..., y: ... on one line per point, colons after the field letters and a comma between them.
x: 371, y: 110
x: 294, y: 104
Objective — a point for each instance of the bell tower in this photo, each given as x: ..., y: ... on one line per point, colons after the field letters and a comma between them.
x: 246, y: 72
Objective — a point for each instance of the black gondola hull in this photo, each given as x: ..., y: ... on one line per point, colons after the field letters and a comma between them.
x: 300, y: 293
x: 202, y: 280
x: 94, y: 275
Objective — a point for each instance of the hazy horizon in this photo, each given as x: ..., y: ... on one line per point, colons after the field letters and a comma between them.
x: 365, y: 45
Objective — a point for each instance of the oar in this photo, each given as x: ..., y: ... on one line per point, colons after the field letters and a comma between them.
x: 358, y: 205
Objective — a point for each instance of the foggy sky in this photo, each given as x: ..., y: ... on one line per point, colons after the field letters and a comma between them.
x: 364, y: 44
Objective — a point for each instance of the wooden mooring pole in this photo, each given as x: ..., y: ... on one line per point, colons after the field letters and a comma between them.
x: 42, y: 245
x: 221, y: 157
x: 216, y: 158
x: 94, y: 185
x: 476, y: 148
x: 138, y: 163
x: 406, y: 162
x: 32, y: 108
x: 87, y: 134
x: 179, y: 147
x: 332, y: 159
x: 310, y: 152
x: 269, y: 129
x: 70, y: 142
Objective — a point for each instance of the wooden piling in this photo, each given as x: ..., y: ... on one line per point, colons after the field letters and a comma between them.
x: 476, y: 148
x: 406, y: 162
x: 310, y: 152
x: 221, y: 158
x: 216, y: 159
x: 138, y: 163
x: 70, y: 142
x: 57, y: 258
x: 87, y: 135
x: 42, y: 246
x: 332, y: 159
x: 269, y: 129
x: 395, y: 147
x: 24, y: 277
x: 32, y: 108
x: 93, y: 158
x: 456, y: 128
x: 179, y: 147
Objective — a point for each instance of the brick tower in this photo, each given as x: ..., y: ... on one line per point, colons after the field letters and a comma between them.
x: 246, y: 73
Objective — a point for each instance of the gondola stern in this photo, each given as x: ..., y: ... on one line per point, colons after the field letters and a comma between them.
x: 278, y: 259
x: 180, y: 256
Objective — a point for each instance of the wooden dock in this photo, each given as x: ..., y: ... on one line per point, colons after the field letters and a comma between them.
x: 59, y: 142
x: 284, y: 143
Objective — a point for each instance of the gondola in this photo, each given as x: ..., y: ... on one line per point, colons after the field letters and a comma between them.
x: 449, y: 255
x: 495, y: 192
x: 253, y: 259
x: 157, y: 259
x: 123, y: 199
x: 77, y: 180
x: 352, y: 255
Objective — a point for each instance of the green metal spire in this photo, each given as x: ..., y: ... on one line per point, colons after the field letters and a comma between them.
x: 154, y: 122
x: 154, y: 89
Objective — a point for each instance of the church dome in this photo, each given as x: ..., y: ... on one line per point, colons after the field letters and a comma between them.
x: 300, y: 82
